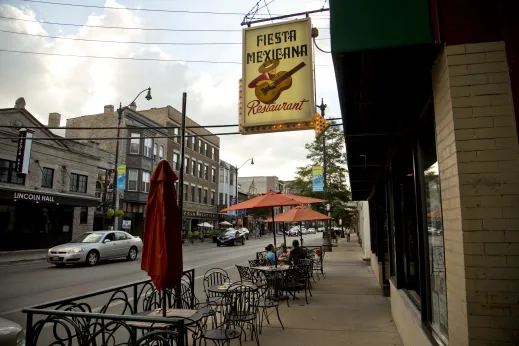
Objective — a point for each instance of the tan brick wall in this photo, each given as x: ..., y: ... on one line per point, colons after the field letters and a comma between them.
x: 478, y: 158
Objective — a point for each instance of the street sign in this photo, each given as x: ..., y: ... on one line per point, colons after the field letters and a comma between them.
x: 241, y: 212
x: 23, y: 151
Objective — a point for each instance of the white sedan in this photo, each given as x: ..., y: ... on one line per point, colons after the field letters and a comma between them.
x: 91, y: 247
x: 312, y: 231
x: 244, y: 231
x: 293, y: 232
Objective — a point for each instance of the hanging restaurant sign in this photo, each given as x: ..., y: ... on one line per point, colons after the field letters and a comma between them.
x: 277, y: 87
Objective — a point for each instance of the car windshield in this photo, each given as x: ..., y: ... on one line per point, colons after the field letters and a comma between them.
x: 230, y: 232
x: 88, y: 238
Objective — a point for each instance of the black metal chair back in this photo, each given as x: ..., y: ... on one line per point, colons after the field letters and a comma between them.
x: 246, y: 273
x: 212, y: 277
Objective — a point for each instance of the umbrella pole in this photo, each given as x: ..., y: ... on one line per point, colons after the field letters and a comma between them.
x: 164, y: 305
x: 301, y: 230
x: 274, y: 230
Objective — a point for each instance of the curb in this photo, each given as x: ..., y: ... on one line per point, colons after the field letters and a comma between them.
x: 23, y: 261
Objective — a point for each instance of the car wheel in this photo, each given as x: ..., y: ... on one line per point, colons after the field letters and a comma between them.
x: 92, y: 258
x: 234, y: 242
x: 218, y: 244
x: 59, y: 265
x: 132, y: 254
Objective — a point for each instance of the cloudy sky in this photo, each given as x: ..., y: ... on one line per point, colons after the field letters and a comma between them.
x: 77, y: 86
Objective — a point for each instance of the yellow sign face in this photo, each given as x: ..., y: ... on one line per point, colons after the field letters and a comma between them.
x: 277, y: 81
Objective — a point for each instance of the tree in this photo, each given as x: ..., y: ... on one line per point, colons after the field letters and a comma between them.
x: 338, y: 193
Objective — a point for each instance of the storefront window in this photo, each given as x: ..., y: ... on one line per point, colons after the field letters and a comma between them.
x: 78, y: 183
x: 436, y: 249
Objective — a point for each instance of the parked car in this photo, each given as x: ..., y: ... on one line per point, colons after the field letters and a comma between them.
x: 11, y: 334
x: 312, y: 231
x: 293, y: 232
x: 434, y: 231
x: 304, y: 231
x: 91, y: 247
x: 231, y: 237
x: 320, y: 229
x: 245, y: 231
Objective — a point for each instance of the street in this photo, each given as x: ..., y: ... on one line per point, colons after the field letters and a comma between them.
x: 25, y: 285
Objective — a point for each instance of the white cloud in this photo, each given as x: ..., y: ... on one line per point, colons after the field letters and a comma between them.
x: 78, y: 86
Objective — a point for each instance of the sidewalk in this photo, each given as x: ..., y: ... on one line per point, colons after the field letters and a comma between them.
x: 347, y: 308
x: 23, y: 256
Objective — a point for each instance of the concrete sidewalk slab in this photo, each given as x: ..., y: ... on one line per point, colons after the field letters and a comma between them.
x: 347, y: 308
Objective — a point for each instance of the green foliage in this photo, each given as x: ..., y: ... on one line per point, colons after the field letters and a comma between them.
x: 110, y: 213
x: 190, y: 234
x: 119, y: 213
x: 338, y: 193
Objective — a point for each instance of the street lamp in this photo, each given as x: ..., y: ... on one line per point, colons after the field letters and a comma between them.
x: 120, y: 111
x: 237, y: 168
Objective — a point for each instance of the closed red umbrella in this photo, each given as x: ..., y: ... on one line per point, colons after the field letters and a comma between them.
x: 162, y: 248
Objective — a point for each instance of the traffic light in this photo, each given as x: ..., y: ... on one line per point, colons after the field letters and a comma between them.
x: 321, y: 124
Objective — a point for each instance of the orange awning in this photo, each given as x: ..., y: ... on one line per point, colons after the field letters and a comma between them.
x: 272, y: 199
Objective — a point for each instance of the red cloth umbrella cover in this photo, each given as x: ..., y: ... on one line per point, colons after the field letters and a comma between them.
x: 162, y: 246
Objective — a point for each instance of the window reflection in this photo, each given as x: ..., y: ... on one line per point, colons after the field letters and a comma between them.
x: 436, y: 249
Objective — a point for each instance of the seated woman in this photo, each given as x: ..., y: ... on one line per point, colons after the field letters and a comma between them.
x: 282, y: 253
x: 270, y: 254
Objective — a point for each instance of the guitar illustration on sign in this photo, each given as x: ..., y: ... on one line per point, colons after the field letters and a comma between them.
x: 269, y: 90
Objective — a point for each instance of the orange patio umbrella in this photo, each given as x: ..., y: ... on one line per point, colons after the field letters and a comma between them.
x: 162, y: 245
x: 299, y: 214
x: 273, y: 199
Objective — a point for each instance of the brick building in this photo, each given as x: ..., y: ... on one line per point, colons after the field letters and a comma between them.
x: 57, y: 199
x: 429, y: 92
x: 202, y: 155
x: 140, y: 152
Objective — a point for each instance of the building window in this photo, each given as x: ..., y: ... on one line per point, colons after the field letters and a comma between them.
x: 133, y: 178
x: 8, y: 174
x: 186, y: 192
x: 205, y: 196
x: 83, y: 216
x: 161, y: 152
x: 213, y: 174
x: 193, y: 168
x: 226, y: 174
x: 232, y: 179
x: 145, y: 182
x: 176, y: 157
x: 212, y: 197
x: 199, y: 195
x: 200, y: 170
x: 155, y: 151
x: 226, y: 201
x: 200, y: 147
x: 220, y: 199
x: 78, y: 183
x: 213, y: 153
x: 176, y: 136
x: 221, y: 175
x: 192, y: 194
x: 135, y: 143
x: 187, y: 141
x: 206, y: 173
x: 205, y: 150
x: 47, y: 177
x: 148, y: 143
x: 186, y: 165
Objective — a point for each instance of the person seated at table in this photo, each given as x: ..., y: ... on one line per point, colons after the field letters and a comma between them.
x: 297, y: 253
x: 282, y: 253
x: 270, y: 254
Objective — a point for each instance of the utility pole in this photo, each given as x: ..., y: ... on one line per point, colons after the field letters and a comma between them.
x: 327, y: 242
x: 182, y: 158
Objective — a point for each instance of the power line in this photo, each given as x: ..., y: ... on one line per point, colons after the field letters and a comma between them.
x: 127, y: 58
x: 124, y: 28
x: 123, y: 42
x: 123, y: 127
x: 135, y: 8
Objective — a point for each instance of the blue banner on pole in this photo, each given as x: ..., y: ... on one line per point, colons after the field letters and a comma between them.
x: 317, y: 179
